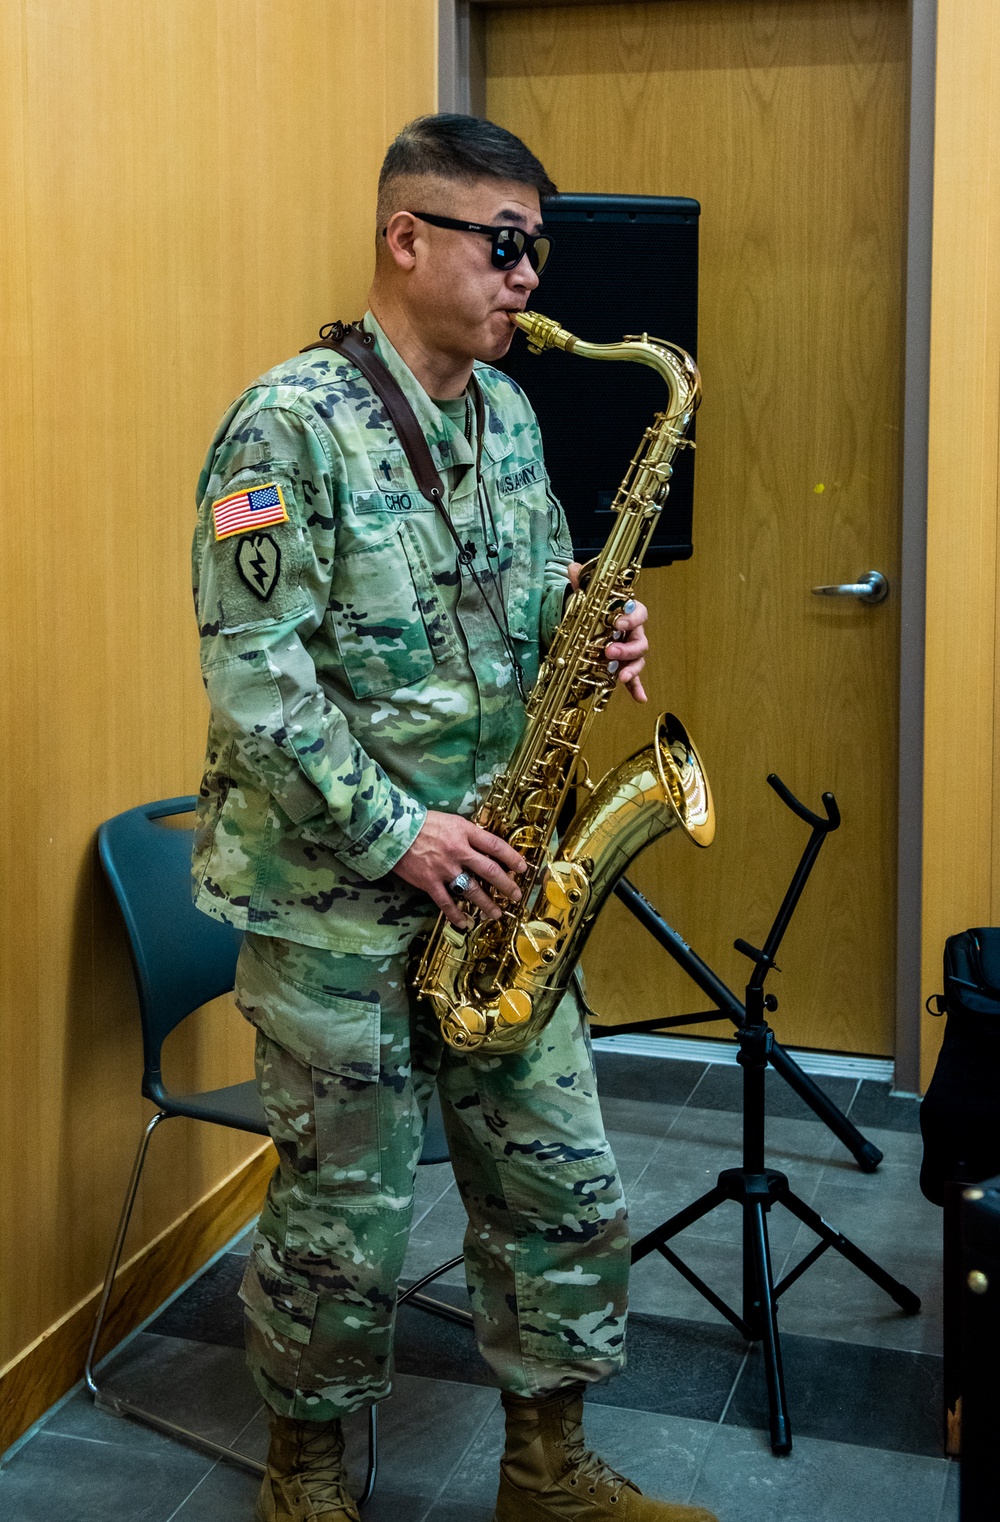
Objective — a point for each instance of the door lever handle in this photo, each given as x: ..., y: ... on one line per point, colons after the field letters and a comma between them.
x: 871, y: 587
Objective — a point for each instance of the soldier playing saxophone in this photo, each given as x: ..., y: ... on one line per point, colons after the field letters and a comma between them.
x: 364, y: 690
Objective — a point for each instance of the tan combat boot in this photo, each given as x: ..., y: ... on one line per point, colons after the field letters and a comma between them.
x: 305, y: 1480
x: 547, y: 1474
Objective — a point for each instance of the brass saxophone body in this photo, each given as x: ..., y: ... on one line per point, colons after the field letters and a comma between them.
x: 494, y: 985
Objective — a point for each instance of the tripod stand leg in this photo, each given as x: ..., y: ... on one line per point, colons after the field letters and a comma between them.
x: 763, y: 1313
x: 677, y: 1223
x: 904, y: 1298
x: 865, y: 1153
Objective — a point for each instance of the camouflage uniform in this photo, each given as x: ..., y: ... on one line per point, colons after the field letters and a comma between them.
x: 356, y: 680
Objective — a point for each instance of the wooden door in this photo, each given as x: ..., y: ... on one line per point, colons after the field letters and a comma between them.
x: 787, y: 120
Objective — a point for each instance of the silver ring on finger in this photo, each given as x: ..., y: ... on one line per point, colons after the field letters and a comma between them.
x: 459, y: 885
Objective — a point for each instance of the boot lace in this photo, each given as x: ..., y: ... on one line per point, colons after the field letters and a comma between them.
x: 323, y: 1473
x: 583, y: 1465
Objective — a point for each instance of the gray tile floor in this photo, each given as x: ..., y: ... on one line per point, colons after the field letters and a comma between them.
x: 685, y: 1420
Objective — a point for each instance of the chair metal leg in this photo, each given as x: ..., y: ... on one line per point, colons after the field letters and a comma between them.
x: 116, y: 1251
x: 428, y: 1303
x: 369, y: 1489
x: 117, y: 1405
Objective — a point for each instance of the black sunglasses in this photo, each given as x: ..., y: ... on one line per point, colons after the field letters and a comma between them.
x: 510, y: 244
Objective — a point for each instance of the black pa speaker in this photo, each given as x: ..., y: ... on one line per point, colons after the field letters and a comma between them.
x: 619, y: 265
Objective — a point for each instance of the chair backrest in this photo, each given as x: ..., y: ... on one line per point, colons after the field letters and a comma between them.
x: 181, y: 958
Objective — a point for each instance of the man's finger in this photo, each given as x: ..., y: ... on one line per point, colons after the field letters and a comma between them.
x: 477, y: 895
x: 449, y: 908
x: 636, y: 690
x: 633, y: 668
x: 624, y: 650
x: 626, y: 621
x: 491, y: 845
x: 490, y: 872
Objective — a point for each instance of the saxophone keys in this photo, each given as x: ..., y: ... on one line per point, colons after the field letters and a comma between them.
x: 535, y: 943
x: 537, y: 805
x: 527, y: 840
x: 565, y: 885
x: 515, y: 1006
x: 469, y: 1019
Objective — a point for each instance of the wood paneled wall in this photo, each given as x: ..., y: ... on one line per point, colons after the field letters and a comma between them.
x: 962, y: 746
x: 188, y: 193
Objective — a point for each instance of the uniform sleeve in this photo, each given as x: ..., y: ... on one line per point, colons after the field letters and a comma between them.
x: 263, y: 556
x: 556, y: 583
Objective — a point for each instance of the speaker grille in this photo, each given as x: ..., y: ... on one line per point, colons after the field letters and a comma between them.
x: 621, y: 264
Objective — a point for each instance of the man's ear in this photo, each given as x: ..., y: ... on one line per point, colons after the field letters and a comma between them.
x: 400, y: 237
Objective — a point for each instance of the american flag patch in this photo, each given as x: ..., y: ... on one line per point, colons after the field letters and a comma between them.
x: 252, y: 509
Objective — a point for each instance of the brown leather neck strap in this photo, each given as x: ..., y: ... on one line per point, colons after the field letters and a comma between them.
x: 350, y: 340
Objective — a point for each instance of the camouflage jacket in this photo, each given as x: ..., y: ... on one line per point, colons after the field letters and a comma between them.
x: 355, y: 679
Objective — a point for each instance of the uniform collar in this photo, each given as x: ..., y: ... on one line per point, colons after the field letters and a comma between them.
x: 448, y: 443
x: 497, y: 442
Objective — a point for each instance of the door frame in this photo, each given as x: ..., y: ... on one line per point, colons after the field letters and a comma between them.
x: 462, y: 87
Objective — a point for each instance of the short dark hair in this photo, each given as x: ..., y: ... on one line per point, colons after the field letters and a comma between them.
x: 463, y: 148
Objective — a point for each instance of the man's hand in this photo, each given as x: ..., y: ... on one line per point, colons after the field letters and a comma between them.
x: 448, y: 845
x: 627, y: 654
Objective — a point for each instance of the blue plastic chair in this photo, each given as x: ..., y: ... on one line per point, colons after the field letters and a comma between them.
x: 181, y: 960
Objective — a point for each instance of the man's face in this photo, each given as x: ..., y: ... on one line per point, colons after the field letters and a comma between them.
x: 458, y: 300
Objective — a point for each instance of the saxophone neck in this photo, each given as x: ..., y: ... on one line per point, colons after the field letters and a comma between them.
x: 674, y: 365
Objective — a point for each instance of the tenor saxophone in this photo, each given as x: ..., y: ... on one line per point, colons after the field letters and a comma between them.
x: 494, y: 985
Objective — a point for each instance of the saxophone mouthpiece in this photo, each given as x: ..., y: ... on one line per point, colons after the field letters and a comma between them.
x: 544, y: 332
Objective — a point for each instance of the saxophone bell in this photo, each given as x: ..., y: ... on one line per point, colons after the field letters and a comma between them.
x: 684, y: 780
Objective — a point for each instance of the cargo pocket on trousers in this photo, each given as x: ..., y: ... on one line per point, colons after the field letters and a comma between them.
x: 346, y: 1113
x: 279, y: 988
x: 279, y: 1320
x: 573, y: 1259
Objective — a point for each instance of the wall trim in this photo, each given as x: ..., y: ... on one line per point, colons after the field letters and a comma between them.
x: 461, y: 57
x: 453, y: 56
x: 51, y: 1365
x: 913, y: 548
x: 725, y: 1052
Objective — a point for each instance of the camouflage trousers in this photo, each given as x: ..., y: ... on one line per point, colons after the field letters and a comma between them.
x: 346, y: 1065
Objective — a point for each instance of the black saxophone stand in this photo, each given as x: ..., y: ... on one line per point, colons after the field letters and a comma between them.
x: 754, y: 1186
x: 864, y: 1152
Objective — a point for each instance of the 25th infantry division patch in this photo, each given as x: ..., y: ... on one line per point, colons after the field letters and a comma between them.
x: 258, y: 560
x: 257, y: 507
